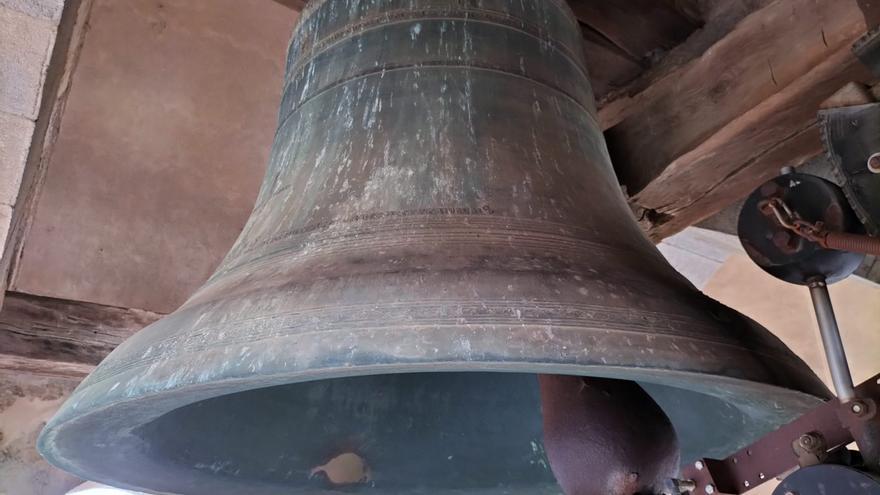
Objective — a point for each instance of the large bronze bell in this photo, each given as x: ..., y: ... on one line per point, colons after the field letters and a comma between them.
x: 439, y: 223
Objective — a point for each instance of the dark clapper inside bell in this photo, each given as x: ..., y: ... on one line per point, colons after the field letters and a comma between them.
x: 439, y: 226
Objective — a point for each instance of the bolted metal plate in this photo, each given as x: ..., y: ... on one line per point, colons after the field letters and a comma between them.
x: 851, y: 136
x: 781, y: 252
x: 825, y: 479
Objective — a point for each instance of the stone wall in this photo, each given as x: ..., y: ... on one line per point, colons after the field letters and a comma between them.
x: 26, y: 403
x: 27, y: 37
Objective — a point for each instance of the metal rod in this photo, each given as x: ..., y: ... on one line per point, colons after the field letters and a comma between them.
x: 834, y: 352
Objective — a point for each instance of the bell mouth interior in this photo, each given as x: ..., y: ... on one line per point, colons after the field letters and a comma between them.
x: 400, y: 433
x: 431, y: 432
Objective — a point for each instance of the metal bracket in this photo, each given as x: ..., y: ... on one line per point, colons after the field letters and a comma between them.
x: 807, y: 440
x: 867, y: 50
x: 851, y: 138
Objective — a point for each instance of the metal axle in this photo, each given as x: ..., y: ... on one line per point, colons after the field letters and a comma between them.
x: 833, y: 345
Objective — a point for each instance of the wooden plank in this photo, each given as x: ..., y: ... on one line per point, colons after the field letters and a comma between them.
x: 719, y: 19
x: 731, y: 163
x: 639, y: 27
x: 712, y: 130
x: 695, y: 10
x: 36, y: 332
x: 795, y: 149
x: 610, y: 67
x: 768, y: 51
x: 44, y: 367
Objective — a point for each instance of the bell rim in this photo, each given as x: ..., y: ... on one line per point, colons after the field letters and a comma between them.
x: 738, y: 390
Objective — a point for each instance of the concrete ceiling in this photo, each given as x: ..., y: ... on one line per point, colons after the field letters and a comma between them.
x: 161, y: 150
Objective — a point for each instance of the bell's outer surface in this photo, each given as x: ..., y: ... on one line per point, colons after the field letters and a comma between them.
x: 439, y: 197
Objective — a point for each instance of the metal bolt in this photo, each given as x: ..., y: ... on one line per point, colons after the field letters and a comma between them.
x: 874, y: 163
x: 710, y: 489
x: 687, y: 486
x: 761, y: 475
x: 786, y: 170
x: 699, y: 465
x: 807, y: 440
x: 746, y: 483
x: 858, y: 408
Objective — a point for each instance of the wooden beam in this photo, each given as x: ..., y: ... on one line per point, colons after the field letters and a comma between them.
x: 710, y: 131
x: 638, y: 27
x: 44, y: 367
x: 47, y: 336
x: 610, y: 66
x: 718, y: 20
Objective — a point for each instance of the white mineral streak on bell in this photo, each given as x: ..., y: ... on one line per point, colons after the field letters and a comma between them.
x: 214, y: 467
x: 310, y: 74
x: 372, y: 111
x: 440, y: 43
x: 415, y: 30
x: 536, y: 148
x: 345, y: 108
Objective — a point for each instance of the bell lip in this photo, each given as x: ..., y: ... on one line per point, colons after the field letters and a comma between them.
x: 737, y: 392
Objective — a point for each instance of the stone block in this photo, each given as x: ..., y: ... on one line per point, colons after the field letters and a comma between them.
x: 15, y: 141
x: 47, y: 9
x: 25, y: 48
x: 5, y: 222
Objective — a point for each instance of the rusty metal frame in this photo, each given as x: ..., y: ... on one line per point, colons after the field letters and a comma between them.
x: 805, y: 441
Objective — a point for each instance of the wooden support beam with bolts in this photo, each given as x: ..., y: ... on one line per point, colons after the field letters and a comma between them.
x: 708, y: 132
x: 55, y: 337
